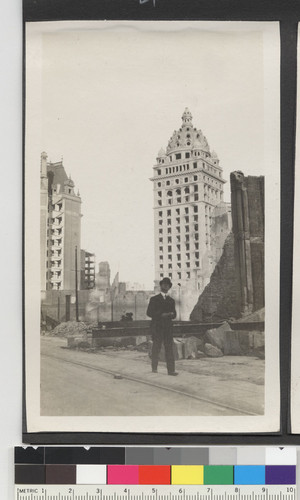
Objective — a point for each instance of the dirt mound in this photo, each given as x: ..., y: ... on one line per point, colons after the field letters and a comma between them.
x: 71, y: 328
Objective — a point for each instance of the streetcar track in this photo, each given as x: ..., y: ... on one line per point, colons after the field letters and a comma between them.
x: 151, y: 384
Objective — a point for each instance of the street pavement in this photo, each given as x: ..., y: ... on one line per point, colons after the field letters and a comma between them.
x: 217, y: 386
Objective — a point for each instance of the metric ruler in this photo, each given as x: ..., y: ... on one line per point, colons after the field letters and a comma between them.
x: 157, y: 492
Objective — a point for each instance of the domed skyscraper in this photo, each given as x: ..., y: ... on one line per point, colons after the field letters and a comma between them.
x: 188, y: 184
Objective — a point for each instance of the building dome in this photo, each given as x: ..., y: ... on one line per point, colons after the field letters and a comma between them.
x: 161, y: 153
x: 187, y: 137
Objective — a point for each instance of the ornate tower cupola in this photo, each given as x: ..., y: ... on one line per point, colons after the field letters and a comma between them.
x: 187, y: 118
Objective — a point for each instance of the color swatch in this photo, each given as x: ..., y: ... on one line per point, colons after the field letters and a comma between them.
x: 159, y: 466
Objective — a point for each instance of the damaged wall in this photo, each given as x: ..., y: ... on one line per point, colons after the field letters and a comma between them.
x: 236, y: 287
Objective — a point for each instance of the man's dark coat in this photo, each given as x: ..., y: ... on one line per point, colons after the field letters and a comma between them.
x: 162, y: 329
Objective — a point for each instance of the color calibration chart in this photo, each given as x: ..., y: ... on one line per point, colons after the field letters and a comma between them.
x: 145, y: 473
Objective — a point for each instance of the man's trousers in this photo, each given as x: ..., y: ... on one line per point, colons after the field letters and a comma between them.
x: 164, y: 336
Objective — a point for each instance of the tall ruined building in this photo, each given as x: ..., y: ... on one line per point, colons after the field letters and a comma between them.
x: 236, y: 287
x: 188, y: 185
x: 60, y: 227
x: 247, y: 200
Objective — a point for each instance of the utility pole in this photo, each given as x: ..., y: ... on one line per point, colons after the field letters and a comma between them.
x: 179, y: 287
x: 58, y: 307
x: 76, y: 285
x: 112, y: 305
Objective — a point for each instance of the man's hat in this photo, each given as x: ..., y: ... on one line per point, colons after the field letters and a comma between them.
x: 167, y: 281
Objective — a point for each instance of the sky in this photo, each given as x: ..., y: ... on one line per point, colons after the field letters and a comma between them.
x: 112, y: 97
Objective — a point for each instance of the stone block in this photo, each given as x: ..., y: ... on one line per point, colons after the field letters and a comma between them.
x: 79, y: 341
x: 190, y: 346
x: 212, y: 351
x: 232, y: 345
x: 177, y: 349
x: 258, y: 339
x: 217, y: 336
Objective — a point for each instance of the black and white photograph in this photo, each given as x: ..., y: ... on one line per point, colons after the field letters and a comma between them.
x: 152, y: 225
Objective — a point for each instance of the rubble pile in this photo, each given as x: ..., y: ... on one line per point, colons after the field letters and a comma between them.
x: 71, y: 328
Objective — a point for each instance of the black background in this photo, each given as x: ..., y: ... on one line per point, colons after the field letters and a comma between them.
x: 287, y: 12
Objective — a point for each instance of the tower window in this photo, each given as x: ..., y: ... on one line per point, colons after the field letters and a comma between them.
x: 160, y: 249
x: 177, y: 181
x: 160, y: 240
x: 196, y: 218
x: 179, y: 276
x: 187, y: 256
x: 159, y: 184
x: 196, y: 197
x: 187, y: 245
x: 161, y: 275
x: 187, y: 155
x: 160, y: 213
x: 195, y: 164
x: 169, y: 230
x: 161, y: 266
x: 178, y: 211
x: 170, y: 266
x: 195, y: 177
x: 169, y: 193
x: 160, y: 231
x: 159, y: 172
x: 169, y: 248
x: 178, y: 256
x: 187, y: 228
x: 168, y: 183
x: 186, y: 179
x: 178, y: 156
x: 168, y: 213
x: 170, y: 257
x: 170, y: 275
x: 169, y: 239
x: 169, y: 222
x: 188, y: 275
x: 196, y: 188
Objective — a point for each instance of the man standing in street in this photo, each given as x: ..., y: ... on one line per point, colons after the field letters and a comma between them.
x: 161, y: 310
